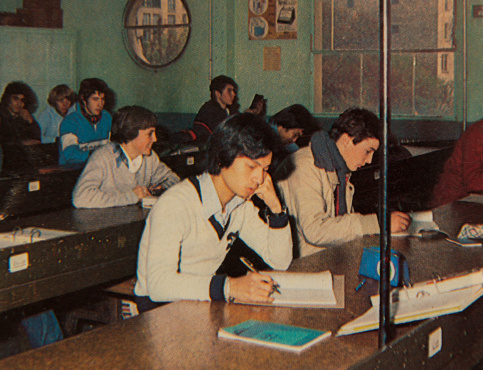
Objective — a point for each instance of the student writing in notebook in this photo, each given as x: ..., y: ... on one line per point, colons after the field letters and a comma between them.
x: 314, y: 182
x: 192, y: 226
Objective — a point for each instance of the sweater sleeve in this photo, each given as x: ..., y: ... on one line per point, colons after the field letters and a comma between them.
x: 88, y: 192
x: 272, y: 241
x: 161, y: 251
x: 34, y: 131
x: 162, y: 174
x: 207, y: 119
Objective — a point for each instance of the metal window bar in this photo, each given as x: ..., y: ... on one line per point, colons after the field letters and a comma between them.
x: 385, y: 327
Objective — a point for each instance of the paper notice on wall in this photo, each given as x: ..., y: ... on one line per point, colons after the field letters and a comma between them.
x: 272, y: 58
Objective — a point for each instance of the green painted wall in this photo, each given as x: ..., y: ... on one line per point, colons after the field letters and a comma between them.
x: 183, y: 86
x: 10, y: 5
x: 292, y: 84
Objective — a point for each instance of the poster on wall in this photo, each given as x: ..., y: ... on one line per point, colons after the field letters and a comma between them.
x: 272, y: 19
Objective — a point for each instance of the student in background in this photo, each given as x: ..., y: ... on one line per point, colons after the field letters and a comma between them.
x: 61, y: 101
x: 290, y: 124
x: 125, y: 170
x: 258, y: 106
x: 17, y: 125
x: 463, y: 171
x: 223, y: 103
x: 314, y: 183
x: 192, y: 226
x: 88, y: 127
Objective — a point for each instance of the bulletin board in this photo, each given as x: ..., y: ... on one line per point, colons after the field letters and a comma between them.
x: 272, y: 19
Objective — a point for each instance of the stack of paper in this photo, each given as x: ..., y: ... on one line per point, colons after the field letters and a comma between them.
x: 419, y: 221
x: 422, y: 301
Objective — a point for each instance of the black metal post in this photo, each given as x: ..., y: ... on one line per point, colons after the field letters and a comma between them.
x: 384, y: 215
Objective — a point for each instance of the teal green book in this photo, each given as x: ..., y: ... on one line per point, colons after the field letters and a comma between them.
x: 289, y: 337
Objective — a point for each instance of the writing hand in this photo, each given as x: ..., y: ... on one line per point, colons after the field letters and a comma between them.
x: 253, y: 287
x: 400, y: 221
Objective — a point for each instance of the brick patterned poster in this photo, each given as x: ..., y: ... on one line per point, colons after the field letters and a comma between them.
x: 272, y: 19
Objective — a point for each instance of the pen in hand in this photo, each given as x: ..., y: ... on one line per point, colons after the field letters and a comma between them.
x: 252, y: 268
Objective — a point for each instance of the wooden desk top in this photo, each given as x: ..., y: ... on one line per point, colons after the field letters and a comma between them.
x: 184, y: 334
x: 80, y: 220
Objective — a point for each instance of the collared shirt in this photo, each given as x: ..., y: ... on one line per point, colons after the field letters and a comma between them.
x: 211, y: 201
x: 132, y: 164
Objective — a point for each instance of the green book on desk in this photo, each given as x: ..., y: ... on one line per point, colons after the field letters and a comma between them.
x: 288, y: 337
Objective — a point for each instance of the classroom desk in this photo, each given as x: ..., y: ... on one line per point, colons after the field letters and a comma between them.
x: 184, y: 334
x: 103, y: 248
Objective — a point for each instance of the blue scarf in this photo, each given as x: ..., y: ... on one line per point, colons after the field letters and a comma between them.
x: 327, y: 157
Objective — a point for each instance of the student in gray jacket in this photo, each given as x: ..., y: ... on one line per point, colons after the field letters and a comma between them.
x: 125, y: 170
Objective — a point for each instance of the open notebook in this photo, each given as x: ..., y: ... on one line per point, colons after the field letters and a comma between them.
x: 307, y: 289
x: 422, y: 301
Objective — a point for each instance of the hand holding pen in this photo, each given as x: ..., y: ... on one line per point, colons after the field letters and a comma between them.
x: 256, y: 287
x: 252, y: 268
x: 157, y: 189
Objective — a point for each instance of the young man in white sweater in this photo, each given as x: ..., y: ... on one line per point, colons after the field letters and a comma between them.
x: 125, y: 170
x: 193, y: 225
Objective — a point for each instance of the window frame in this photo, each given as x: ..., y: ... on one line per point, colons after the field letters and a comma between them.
x: 319, y: 52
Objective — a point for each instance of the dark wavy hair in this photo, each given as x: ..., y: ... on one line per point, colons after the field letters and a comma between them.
x: 245, y: 135
x: 358, y: 123
x: 295, y: 116
x: 16, y: 88
x: 127, y: 122
x: 89, y: 86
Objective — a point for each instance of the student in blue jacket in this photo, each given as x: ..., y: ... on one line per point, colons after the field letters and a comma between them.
x: 88, y: 127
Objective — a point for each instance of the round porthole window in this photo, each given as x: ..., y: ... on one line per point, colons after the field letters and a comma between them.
x: 156, y: 32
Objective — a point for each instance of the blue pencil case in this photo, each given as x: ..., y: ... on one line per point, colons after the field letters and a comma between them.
x: 370, y: 266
